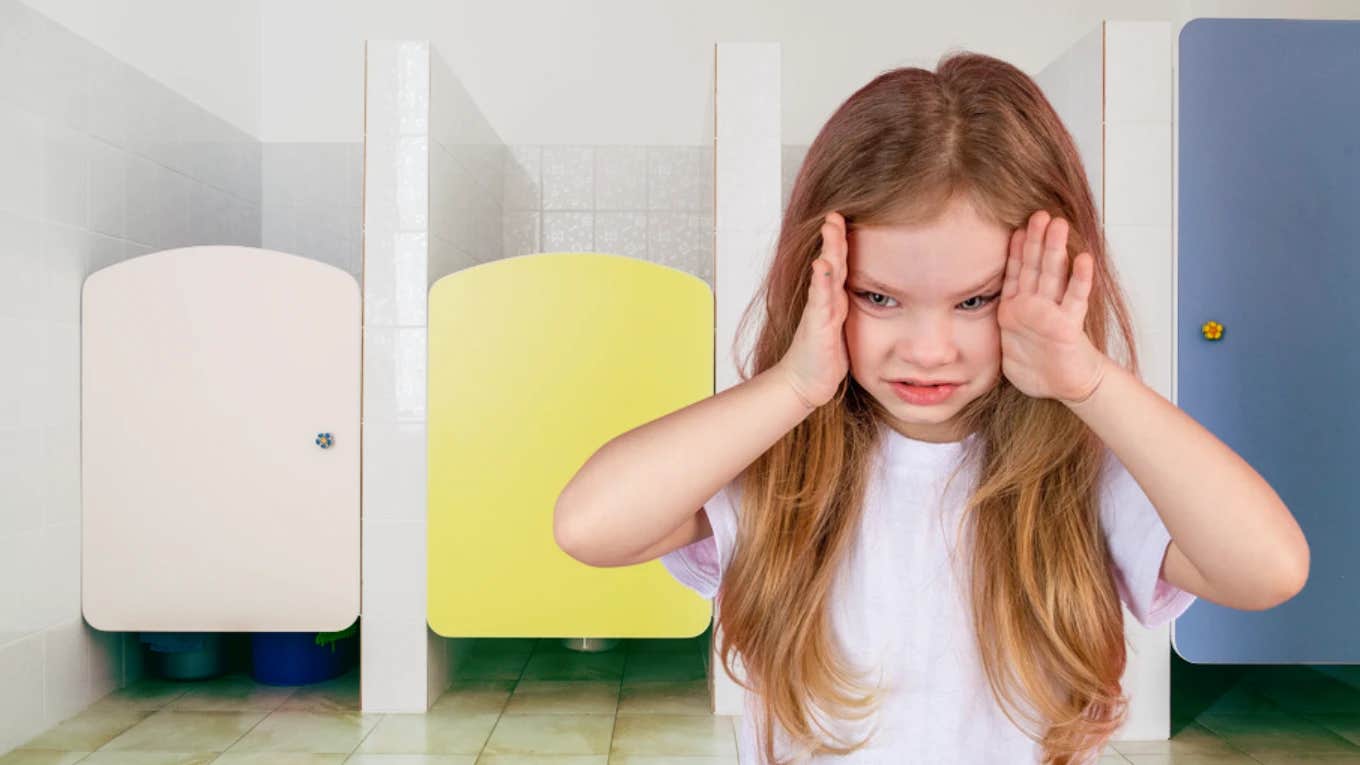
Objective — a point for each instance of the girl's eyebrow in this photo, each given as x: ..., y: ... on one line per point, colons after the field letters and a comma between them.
x: 876, y: 284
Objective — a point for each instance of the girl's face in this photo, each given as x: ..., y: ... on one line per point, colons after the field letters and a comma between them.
x: 923, y: 303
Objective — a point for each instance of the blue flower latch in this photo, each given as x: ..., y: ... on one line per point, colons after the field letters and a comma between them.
x: 324, y: 440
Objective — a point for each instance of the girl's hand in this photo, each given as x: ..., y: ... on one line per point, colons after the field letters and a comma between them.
x: 817, y: 360
x: 1044, y: 350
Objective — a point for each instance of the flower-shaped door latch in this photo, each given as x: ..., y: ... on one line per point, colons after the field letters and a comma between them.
x: 325, y: 440
x: 1211, y: 330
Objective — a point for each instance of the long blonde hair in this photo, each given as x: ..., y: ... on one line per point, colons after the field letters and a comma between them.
x: 1044, y: 605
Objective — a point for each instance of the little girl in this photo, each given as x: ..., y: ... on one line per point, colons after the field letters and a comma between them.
x: 921, y: 515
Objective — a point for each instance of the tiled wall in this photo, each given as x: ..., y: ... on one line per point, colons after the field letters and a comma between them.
x: 313, y: 199
x: 100, y: 163
x: 653, y: 203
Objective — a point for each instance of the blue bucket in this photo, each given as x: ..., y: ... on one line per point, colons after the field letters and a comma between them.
x: 299, y: 658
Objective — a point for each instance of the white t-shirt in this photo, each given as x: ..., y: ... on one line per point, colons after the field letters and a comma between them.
x: 897, y: 608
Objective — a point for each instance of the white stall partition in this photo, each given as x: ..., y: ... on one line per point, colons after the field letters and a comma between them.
x: 220, y: 443
x: 1113, y: 90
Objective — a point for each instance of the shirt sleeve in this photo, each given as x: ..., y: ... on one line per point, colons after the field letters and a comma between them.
x: 1138, y: 542
x: 700, y: 565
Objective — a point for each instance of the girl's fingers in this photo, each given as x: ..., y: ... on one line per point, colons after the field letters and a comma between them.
x: 1053, y: 263
x: 1031, y: 258
x: 1079, y: 286
x: 1011, y: 285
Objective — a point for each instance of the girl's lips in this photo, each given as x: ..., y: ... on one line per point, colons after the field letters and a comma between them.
x: 923, y: 395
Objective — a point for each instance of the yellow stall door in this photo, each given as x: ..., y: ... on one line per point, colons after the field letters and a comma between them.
x: 535, y: 362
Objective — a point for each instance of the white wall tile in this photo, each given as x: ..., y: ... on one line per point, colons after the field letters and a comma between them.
x: 65, y: 255
x: 21, y: 266
x: 520, y: 234
x: 679, y: 178
x: 67, y: 669
x: 66, y: 165
x: 60, y: 471
x: 523, y: 188
x: 568, y: 177
x: 392, y: 657
x: 621, y: 178
x: 21, y: 155
x: 621, y: 233
x: 394, y: 470
x: 394, y: 374
x: 748, y: 180
x: 22, y: 486
x: 21, y: 708
x: 747, y: 98
x: 568, y: 231
x: 1138, y: 173
x: 1135, y: 88
x: 395, y: 581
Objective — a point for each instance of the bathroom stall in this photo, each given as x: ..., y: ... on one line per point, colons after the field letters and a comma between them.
x: 524, y: 304
x: 220, y: 443
x: 1113, y: 90
x: 505, y: 375
x: 1266, y: 270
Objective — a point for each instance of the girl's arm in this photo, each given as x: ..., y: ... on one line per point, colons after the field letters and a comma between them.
x: 1233, y: 541
x: 640, y: 495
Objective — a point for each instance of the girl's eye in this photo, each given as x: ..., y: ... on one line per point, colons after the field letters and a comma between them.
x: 974, y: 307
x: 874, y: 303
x: 986, y: 300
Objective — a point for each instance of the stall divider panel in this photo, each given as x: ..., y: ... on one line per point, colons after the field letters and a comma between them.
x: 220, y: 443
x: 535, y: 362
x: 1268, y: 233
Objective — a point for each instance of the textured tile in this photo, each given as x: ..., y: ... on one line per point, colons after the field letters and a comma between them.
x: 1193, y: 739
x: 474, y: 697
x: 551, y: 734
x: 669, y: 760
x: 41, y: 757
x: 429, y: 734
x: 674, y: 735
x: 680, y: 178
x: 544, y: 760
x: 519, y: 234
x: 621, y: 233
x: 302, y: 731
x: 412, y: 759
x: 232, y: 693
x: 564, y: 697
x: 689, y: 697
x: 568, y: 177
x: 88, y: 730
x: 563, y: 665
x: 621, y: 178
x: 522, y: 190
x: 1189, y: 759
x: 683, y: 241
x: 568, y: 231
x: 170, y: 731
x: 280, y: 758
x: 340, y: 694
x: 673, y: 667
x: 152, y: 758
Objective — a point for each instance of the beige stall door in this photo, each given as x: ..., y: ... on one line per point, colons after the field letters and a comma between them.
x: 207, y: 374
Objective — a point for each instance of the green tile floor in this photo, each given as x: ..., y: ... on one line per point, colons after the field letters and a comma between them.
x: 645, y: 702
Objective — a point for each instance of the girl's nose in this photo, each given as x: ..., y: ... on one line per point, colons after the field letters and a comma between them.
x: 929, y: 344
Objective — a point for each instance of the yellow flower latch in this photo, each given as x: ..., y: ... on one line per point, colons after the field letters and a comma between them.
x: 1212, y: 330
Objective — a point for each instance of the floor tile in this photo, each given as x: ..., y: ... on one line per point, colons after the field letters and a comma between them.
x: 171, y: 731
x: 674, y: 734
x: 569, y: 697
x: 303, y: 731
x: 689, y: 697
x: 429, y: 734
x: 88, y: 730
x: 551, y: 734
